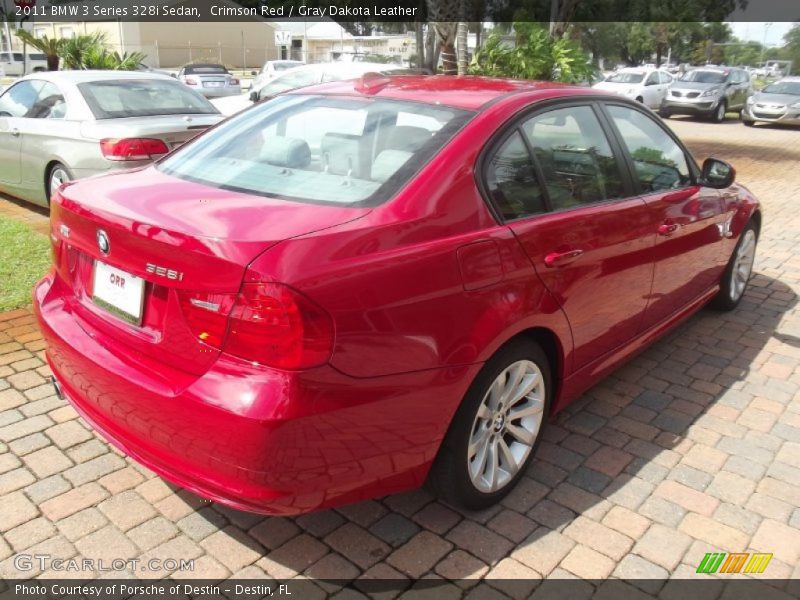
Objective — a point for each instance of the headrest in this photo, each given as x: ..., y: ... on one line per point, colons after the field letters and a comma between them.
x: 387, y: 163
x: 286, y: 152
x: 341, y: 154
x: 408, y: 138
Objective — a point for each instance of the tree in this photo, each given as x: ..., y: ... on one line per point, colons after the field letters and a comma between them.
x: 792, y: 47
x: 50, y: 47
x: 462, y: 39
x: 91, y: 52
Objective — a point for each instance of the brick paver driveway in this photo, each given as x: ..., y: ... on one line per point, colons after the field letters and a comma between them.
x: 691, y: 448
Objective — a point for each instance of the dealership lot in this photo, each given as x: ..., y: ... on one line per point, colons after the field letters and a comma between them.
x: 691, y: 448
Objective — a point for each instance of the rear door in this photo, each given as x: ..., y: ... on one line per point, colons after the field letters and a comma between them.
x: 558, y: 182
x: 689, y: 220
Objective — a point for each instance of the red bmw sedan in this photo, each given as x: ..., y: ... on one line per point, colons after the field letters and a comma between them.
x: 362, y: 286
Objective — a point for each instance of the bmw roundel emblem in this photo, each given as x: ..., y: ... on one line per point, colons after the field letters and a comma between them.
x: 102, y: 241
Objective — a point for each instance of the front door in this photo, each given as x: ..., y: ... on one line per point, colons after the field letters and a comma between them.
x: 689, y: 219
x: 15, y: 103
x: 560, y: 189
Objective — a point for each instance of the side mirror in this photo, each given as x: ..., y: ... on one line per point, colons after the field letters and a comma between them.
x: 253, y: 96
x: 173, y: 75
x: 717, y: 173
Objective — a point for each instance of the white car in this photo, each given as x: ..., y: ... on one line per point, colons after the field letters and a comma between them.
x: 270, y: 70
x: 14, y: 64
x: 305, y: 76
x: 646, y: 85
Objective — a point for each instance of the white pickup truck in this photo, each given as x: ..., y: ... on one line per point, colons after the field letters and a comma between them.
x: 13, y: 65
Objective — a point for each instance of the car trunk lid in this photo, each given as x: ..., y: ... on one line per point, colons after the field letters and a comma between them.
x: 174, y: 130
x: 180, y: 238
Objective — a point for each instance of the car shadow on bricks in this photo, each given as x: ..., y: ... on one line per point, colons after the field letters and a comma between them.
x: 632, y: 480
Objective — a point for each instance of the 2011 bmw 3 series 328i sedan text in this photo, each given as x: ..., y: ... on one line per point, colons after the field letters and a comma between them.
x: 360, y: 287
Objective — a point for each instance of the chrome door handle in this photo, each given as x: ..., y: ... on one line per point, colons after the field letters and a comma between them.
x: 15, y: 132
x: 559, y: 259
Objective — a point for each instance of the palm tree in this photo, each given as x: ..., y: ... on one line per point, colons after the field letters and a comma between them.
x: 50, y: 47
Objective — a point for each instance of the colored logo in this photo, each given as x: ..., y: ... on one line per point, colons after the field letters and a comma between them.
x: 741, y: 562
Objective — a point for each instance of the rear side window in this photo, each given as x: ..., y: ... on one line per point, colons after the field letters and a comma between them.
x: 659, y: 161
x: 574, y: 156
x: 511, y: 180
x: 142, y: 98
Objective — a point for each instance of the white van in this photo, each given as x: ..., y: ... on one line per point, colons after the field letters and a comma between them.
x: 13, y: 65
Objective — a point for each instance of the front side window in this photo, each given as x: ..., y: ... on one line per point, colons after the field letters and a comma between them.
x: 19, y: 99
x: 659, y: 162
x: 345, y: 151
x: 574, y: 156
x: 114, y: 99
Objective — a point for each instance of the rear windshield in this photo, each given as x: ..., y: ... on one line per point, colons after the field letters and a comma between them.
x: 205, y: 69
x: 143, y: 98
x: 698, y: 76
x: 626, y: 78
x: 329, y: 150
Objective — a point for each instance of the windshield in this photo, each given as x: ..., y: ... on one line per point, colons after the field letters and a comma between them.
x: 698, y: 76
x: 282, y: 66
x: 626, y: 78
x: 783, y: 87
x: 143, y: 98
x: 331, y: 150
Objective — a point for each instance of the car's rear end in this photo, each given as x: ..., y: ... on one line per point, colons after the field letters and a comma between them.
x: 136, y: 119
x: 174, y: 329
x: 212, y: 81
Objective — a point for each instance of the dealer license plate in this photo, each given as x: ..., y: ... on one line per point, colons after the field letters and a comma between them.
x: 118, y: 292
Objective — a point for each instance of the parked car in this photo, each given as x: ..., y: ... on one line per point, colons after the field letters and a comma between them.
x: 355, y: 287
x: 270, y: 70
x: 779, y: 102
x: 63, y: 125
x: 148, y: 69
x: 708, y: 92
x: 15, y: 64
x: 304, y: 76
x: 645, y: 85
x: 213, y: 81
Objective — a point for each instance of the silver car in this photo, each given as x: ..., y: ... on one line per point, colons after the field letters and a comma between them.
x: 63, y: 125
x: 778, y: 102
x: 213, y: 81
x: 708, y: 92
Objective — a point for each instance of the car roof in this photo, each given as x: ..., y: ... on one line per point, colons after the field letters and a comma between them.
x: 80, y: 76
x: 465, y: 92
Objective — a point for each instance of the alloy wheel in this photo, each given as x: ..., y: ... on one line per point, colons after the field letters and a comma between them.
x: 743, y: 264
x: 58, y: 176
x: 506, y: 426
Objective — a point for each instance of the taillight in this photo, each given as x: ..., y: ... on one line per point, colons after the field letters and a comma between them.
x: 267, y: 323
x: 233, y: 82
x: 133, y: 148
x: 190, y: 81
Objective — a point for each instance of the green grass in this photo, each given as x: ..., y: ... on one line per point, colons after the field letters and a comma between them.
x: 24, y: 258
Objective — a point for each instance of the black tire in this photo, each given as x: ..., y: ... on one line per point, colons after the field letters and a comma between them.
x: 49, y: 176
x: 719, y: 112
x: 745, y: 120
x: 449, y: 477
x: 664, y: 114
x: 729, y: 296
x: 640, y: 100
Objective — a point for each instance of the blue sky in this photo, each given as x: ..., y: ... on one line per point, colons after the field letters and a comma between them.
x: 757, y: 31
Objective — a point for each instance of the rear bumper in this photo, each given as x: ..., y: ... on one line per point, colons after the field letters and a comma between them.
x: 253, y: 438
x: 219, y: 92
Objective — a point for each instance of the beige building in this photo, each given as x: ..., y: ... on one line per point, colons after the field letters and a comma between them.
x: 167, y: 44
